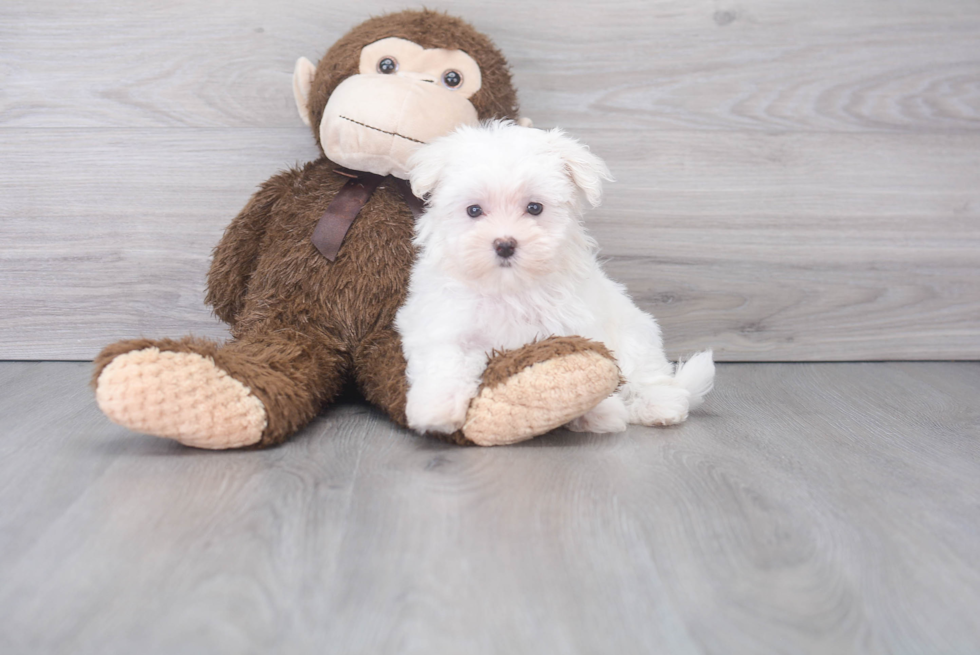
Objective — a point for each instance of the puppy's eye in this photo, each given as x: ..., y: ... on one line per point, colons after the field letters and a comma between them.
x: 452, y: 79
x: 474, y: 211
x: 534, y: 208
x: 387, y: 66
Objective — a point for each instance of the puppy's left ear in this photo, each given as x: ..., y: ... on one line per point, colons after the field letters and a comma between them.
x: 586, y: 169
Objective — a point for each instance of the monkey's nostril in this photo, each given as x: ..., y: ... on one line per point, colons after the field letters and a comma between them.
x: 505, y: 247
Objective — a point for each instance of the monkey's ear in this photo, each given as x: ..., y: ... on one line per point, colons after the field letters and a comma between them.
x: 302, y: 82
x: 586, y: 169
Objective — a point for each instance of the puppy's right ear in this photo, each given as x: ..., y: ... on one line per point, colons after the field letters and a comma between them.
x: 425, y: 168
x: 302, y: 83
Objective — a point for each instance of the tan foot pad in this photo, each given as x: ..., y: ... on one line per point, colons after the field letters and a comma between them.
x: 540, y: 398
x: 181, y: 396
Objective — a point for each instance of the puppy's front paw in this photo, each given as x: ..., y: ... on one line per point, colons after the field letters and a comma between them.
x: 661, y: 405
x: 608, y: 416
x: 437, y: 410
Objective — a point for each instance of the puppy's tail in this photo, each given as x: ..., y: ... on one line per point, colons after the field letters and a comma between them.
x: 697, y: 375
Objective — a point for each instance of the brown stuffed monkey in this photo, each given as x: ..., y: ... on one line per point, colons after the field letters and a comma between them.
x: 310, y: 274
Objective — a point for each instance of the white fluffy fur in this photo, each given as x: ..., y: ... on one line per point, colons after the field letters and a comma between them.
x: 464, y: 300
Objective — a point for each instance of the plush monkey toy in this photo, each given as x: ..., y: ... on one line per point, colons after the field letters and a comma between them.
x: 310, y: 274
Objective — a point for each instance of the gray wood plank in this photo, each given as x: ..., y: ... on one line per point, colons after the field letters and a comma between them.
x: 795, y: 183
x: 751, y: 65
x: 106, y: 240
x: 807, y: 508
x: 765, y: 247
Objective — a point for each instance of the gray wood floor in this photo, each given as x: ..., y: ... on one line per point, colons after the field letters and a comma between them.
x: 795, y: 180
x: 808, y: 508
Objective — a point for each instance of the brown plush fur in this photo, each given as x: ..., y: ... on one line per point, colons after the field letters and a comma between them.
x: 302, y: 325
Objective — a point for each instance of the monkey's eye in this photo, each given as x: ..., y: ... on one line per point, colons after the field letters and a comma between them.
x: 452, y: 79
x: 474, y: 211
x: 534, y: 208
x: 387, y: 66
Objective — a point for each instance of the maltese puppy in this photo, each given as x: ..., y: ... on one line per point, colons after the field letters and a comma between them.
x: 504, y: 260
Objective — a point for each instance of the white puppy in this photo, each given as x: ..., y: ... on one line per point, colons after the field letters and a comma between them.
x: 503, y: 260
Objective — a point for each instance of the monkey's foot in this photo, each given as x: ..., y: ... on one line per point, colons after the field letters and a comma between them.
x: 539, y: 387
x: 179, y: 395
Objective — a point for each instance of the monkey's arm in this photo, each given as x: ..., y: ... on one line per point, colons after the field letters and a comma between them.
x: 234, y: 258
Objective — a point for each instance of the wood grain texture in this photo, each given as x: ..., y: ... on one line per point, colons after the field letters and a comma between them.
x: 794, y: 182
x: 807, y: 508
x: 820, y: 263
x: 707, y: 64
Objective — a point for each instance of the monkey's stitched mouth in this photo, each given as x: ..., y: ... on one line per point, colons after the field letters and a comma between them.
x: 378, y: 129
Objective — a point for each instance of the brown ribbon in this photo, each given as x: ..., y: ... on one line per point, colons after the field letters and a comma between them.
x: 413, y: 201
x: 333, y: 226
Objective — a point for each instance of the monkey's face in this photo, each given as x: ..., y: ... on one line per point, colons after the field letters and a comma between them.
x: 402, y: 96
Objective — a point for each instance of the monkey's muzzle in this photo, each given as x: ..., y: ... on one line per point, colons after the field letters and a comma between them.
x: 374, y: 122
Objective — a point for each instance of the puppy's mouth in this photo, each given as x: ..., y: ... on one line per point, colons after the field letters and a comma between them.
x: 378, y: 129
x: 505, y: 263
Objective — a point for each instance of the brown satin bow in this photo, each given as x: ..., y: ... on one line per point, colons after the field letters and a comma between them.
x: 328, y: 236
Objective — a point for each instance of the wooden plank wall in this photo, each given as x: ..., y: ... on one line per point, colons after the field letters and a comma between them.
x: 795, y: 181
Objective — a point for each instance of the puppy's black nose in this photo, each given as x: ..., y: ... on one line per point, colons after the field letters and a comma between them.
x: 505, y: 247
